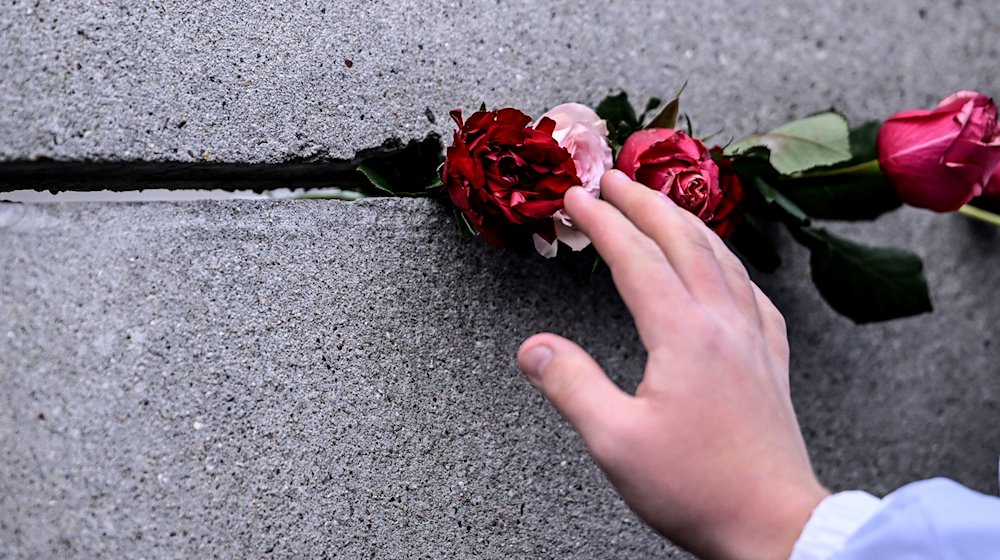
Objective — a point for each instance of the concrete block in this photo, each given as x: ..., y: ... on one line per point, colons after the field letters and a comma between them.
x: 265, y: 82
x: 322, y: 379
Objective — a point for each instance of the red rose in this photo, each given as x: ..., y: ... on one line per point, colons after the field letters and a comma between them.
x: 506, y: 178
x: 727, y: 216
x: 941, y: 159
x: 675, y: 164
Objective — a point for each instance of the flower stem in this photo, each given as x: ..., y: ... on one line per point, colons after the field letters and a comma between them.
x: 866, y: 168
x: 980, y: 214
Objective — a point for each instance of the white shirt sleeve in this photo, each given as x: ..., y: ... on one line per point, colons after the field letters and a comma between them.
x: 834, y: 520
x: 935, y: 518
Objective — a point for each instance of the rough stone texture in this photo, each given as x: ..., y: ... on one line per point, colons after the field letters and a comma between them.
x: 286, y: 80
x: 292, y: 379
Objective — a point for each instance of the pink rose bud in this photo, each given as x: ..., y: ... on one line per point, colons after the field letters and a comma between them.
x: 675, y: 164
x: 941, y: 159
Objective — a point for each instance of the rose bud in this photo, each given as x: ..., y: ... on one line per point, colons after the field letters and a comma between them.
x: 942, y: 158
x: 727, y: 215
x: 506, y: 178
x: 675, y: 164
x: 585, y: 136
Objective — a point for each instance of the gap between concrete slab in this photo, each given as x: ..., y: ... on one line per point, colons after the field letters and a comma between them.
x: 176, y: 195
x: 244, y: 179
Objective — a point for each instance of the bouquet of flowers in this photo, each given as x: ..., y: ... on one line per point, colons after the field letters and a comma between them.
x: 506, y: 174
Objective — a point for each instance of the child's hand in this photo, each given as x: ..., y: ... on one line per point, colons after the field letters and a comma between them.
x: 708, y: 451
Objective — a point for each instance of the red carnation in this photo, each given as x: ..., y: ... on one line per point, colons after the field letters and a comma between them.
x: 507, y: 178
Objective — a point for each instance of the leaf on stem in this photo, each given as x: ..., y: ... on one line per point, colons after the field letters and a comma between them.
x: 410, y: 170
x: 852, y: 190
x: 864, y: 142
x: 844, y: 197
x: 667, y: 118
x: 865, y: 284
x: 774, y: 197
x: 465, y: 229
x: 651, y: 106
x: 617, y: 111
x: 752, y: 243
x: 376, y: 179
x: 804, y: 144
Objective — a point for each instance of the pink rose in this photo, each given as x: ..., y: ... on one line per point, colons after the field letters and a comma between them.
x: 675, y: 164
x: 585, y: 136
x: 992, y: 188
x: 941, y: 159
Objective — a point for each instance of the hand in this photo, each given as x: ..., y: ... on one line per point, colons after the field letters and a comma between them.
x: 708, y: 451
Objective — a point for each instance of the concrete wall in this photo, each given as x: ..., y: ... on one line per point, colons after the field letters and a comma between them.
x: 318, y: 378
x: 270, y: 81
x: 288, y: 379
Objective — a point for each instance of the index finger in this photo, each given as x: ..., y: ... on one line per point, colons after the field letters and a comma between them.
x: 647, y: 283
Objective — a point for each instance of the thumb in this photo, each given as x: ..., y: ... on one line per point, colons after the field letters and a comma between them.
x: 579, y: 389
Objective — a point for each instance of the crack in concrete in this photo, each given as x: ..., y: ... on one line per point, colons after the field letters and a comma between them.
x: 317, y: 171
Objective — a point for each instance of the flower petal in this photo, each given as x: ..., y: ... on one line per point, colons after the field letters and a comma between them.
x: 573, y: 238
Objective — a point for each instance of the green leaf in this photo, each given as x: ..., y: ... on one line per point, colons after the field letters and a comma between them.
x: 435, y: 185
x: 465, y: 229
x: 865, y: 284
x: 843, y: 197
x: 801, y: 145
x: 864, y: 151
x: 401, y: 170
x: 376, y: 179
x: 754, y: 162
x: 864, y: 142
x: 667, y: 118
x: 853, y: 190
x: 750, y: 242
x: 620, y: 116
x: 482, y: 106
x: 651, y: 106
x: 774, y: 197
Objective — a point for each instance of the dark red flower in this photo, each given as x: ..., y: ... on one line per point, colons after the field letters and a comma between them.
x: 507, y: 178
x: 727, y: 215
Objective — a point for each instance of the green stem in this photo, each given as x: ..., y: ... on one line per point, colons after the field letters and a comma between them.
x: 980, y: 214
x: 318, y: 194
x: 866, y: 168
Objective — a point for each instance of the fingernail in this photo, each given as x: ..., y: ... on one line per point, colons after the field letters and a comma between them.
x: 534, y: 360
x: 620, y: 175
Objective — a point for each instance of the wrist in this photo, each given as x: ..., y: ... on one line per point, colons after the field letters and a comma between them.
x: 769, y: 527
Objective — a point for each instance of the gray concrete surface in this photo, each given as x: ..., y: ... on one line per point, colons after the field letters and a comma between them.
x: 287, y: 80
x: 323, y: 379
